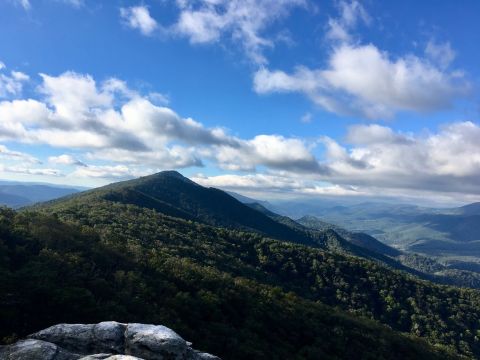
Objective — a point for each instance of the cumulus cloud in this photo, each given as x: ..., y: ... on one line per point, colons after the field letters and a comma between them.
x: 11, y: 84
x: 117, y: 172
x: 446, y: 161
x: 274, y: 183
x: 273, y: 151
x: 378, y: 161
x: 362, y: 80
x: 123, y: 134
x: 138, y: 17
x: 207, y: 21
x: 65, y: 159
x: 109, y: 122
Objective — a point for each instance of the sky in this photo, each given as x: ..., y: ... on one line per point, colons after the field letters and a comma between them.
x: 269, y: 98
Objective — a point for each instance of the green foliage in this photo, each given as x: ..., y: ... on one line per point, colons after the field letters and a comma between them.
x: 233, y: 293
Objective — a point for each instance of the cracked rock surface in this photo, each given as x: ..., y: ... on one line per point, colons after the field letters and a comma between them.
x: 107, y: 340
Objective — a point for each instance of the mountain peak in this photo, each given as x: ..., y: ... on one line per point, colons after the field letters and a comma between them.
x: 172, y: 194
x: 173, y: 174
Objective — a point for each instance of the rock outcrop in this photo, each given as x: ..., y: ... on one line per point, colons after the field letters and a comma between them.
x: 108, y: 340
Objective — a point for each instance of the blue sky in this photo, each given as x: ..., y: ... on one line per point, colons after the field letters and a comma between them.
x: 285, y: 98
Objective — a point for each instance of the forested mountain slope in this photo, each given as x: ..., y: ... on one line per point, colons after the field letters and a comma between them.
x: 440, y: 314
x: 232, y: 293
x: 172, y: 194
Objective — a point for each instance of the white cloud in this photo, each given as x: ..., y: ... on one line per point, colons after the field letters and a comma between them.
x: 125, y: 135
x: 23, y: 3
x: 441, y: 54
x: 243, y: 20
x: 378, y: 161
x: 375, y: 134
x: 158, y: 98
x: 351, y: 13
x: 273, y: 151
x: 117, y: 172
x: 447, y: 161
x: 8, y: 154
x: 18, y: 114
x: 276, y: 185
x: 73, y: 95
x: 11, y: 84
x: 362, y: 80
x: 138, y: 17
x: 30, y: 171
x: 110, y: 122
x: 262, y: 182
x: 207, y: 21
x: 65, y: 159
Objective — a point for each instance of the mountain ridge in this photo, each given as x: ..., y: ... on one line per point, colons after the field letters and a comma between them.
x: 188, y: 264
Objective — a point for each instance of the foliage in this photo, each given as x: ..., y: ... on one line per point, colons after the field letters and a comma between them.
x: 211, y: 285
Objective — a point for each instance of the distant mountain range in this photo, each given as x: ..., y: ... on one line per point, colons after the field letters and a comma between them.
x: 451, y: 234
x: 14, y: 194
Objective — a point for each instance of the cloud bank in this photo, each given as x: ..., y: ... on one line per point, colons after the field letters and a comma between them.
x: 105, y: 130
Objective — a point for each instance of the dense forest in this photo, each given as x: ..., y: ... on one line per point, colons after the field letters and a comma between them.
x: 54, y: 272
x: 236, y: 293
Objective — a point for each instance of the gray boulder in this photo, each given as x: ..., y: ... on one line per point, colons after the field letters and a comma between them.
x: 108, y: 340
x: 31, y: 349
x: 105, y: 337
x: 155, y: 342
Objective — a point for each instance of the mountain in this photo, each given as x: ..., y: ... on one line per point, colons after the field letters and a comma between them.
x: 334, y: 238
x: 172, y: 194
x: 450, y: 234
x: 17, y: 194
x: 458, y: 273
x: 470, y: 209
x: 14, y: 201
x: 151, y: 249
x: 232, y: 293
x: 360, y: 239
x: 248, y: 200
